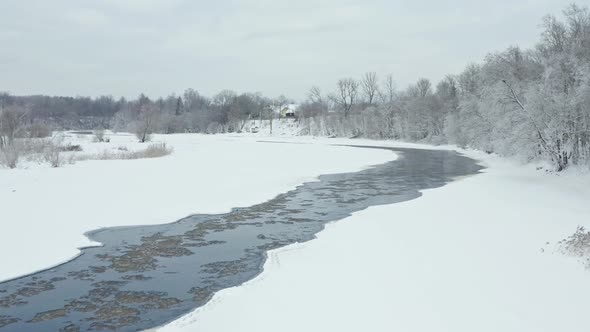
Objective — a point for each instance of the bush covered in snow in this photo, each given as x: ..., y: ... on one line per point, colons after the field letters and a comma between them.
x: 577, y: 245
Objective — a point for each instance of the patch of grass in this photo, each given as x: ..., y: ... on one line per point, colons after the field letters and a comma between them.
x: 37, y: 150
x: 70, y: 148
x: 155, y: 150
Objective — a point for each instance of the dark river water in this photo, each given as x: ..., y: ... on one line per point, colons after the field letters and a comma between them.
x: 145, y: 276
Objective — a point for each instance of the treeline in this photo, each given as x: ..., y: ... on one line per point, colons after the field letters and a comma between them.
x: 532, y: 103
x: 27, y: 123
x: 227, y: 111
x: 190, y: 112
x: 64, y: 112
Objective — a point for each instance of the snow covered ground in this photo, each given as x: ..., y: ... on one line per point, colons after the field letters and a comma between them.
x: 45, y: 211
x: 475, y: 255
x: 281, y: 127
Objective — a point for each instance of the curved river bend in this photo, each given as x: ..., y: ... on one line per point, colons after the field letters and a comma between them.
x: 145, y: 276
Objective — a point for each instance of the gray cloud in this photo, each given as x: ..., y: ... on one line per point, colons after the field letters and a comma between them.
x: 124, y: 47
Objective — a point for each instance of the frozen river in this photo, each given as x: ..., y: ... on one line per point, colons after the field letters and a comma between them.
x: 145, y: 276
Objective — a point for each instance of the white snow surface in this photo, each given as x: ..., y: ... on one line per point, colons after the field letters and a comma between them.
x: 476, y: 255
x: 45, y: 212
x: 281, y: 127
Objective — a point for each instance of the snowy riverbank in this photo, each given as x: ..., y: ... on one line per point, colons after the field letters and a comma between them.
x: 46, y: 211
x: 475, y: 255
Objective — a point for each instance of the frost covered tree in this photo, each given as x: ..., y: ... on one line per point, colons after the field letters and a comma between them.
x: 529, y: 103
x: 147, y: 122
x: 12, y: 122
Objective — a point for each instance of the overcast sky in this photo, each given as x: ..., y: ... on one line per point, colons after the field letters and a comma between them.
x: 125, y: 47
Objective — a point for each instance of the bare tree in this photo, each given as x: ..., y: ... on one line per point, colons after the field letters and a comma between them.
x: 315, y: 95
x: 346, y: 94
x: 424, y: 87
x: 12, y: 121
x: 388, y: 92
x: 223, y: 102
x: 390, y: 107
x: 147, y: 122
x: 447, y: 88
x: 370, y: 86
x: 316, y: 105
x: 179, y: 109
x: 99, y: 135
x: 554, y: 35
x: 469, y: 80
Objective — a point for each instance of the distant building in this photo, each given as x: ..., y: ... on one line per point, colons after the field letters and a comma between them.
x: 288, y: 111
x: 283, y: 112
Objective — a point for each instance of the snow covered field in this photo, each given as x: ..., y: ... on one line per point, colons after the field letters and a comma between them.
x: 475, y: 255
x: 46, y: 211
